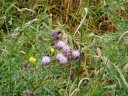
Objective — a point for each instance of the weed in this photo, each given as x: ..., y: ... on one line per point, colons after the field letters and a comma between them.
x: 63, y: 48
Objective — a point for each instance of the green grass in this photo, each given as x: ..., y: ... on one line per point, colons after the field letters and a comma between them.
x: 101, y: 37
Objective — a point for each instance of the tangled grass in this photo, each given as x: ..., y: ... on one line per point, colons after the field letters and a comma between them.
x: 97, y: 28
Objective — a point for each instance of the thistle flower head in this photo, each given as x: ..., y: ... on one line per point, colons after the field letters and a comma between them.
x: 63, y: 60
x: 59, y: 55
x: 75, y: 54
x: 56, y: 35
x: 46, y: 60
x: 66, y: 48
x: 61, y: 44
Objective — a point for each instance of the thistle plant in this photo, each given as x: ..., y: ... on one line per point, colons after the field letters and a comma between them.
x: 62, y: 57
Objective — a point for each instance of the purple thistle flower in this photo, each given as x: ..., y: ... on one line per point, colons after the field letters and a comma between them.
x: 61, y: 44
x: 75, y: 54
x: 46, y: 60
x: 66, y: 48
x: 56, y: 35
x: 63, y: 60
x: 59, y: 55
x: 25, y: 64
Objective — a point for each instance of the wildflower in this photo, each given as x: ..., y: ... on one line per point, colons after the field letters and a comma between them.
x: 56, y: 35
x: 75, y: 54
x: 66, y: 48
x: 25, y: 64
x: 63, y: 60
x: 61, y: 44
x: 46, y: 60
x: 52, y: 50
x: 59, y: 55
x: 32, y: 59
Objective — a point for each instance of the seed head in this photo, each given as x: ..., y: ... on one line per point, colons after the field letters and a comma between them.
x: 75, y: 54
x: 46, y: 60
x: 59, y: 55
x: 66, y: 48
x: 56, y: 35
x: 61, y: 44
x: 63, y: 60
